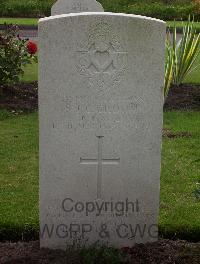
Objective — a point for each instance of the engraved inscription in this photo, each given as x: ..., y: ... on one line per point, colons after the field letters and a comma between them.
x: 78, y: 6
x: 91, y: 114
x: 100, y: 162
x: 101, y: 57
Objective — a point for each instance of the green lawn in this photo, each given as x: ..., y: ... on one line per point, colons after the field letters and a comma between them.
x: 34, y: 22
x: 179, y: 209
x: 31, y: 74
x: 181, y: 24
x: 19, y: 21
x: 19, y: 172
x: 180, y: 174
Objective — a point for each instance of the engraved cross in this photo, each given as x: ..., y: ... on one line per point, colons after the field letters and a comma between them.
x: 100, y: 162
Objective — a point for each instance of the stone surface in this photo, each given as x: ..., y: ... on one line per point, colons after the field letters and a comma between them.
x: 75, y: 6
x: 100, y: 101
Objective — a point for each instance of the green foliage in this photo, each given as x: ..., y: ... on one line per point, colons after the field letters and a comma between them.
x: 163, y: 9
x: 185, y: 53
x: 4, y: 114
x: 13, y: 55
x: 25, y: 8
x: 181, y: 55
x: 168, y: 69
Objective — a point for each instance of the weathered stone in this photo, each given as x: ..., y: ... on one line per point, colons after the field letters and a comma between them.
x: 100, y: 100
x: 75, y: 6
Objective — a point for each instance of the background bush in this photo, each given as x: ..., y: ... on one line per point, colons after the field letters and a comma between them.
x: 14, y: 54
x: 25, y: 8
x: 163, y: 9
x: 164, y: 12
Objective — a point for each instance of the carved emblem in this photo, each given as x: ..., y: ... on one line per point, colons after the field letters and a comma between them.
x: 101, y: 57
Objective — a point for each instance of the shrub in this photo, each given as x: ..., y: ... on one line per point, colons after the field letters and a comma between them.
x: 24, y: 8
x: 14, y: 54
x: 197, y: 6
x: 164, y: 12
x: 163, y: 9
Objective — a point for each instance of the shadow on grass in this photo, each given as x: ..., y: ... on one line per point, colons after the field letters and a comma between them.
x: 29, y: 233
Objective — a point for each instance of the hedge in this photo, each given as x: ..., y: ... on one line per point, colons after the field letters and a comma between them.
x: 39, y: 8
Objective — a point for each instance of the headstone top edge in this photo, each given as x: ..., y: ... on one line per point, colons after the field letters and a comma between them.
x: 75, y: 6
x: 101, y: 14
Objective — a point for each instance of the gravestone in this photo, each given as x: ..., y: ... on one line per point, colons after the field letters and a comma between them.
x: 75, y: 6
x: 100, y: 104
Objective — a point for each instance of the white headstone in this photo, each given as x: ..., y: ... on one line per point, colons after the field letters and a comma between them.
x: 75, y: 6
x: 100, y: 100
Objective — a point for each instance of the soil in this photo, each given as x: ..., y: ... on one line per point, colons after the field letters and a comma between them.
x: 167, y: 133
x: 20, y: 97
x: 184, y: 97
x: 24, y: 97
x: 161, y: 252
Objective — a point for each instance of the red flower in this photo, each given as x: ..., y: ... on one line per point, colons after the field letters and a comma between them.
x: 32, y: 47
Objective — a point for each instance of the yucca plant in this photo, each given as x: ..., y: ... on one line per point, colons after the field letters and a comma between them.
x: 168, y: 67
x: 181, y: 55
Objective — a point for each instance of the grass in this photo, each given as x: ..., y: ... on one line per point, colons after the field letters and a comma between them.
x: 179, y: 209
x: 180, y: 24
x: 34, y: 22
x: 19, y: 172
x: 180, y: 175
x: 20, y: 21
x: 30, y: 73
